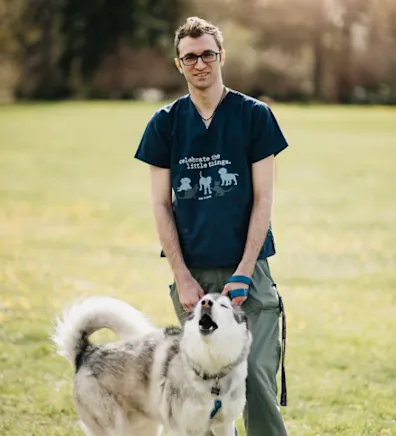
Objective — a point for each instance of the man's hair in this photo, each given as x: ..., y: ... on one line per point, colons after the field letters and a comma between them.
x: 196, y: 27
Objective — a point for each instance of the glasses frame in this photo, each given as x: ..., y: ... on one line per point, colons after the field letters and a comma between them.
x: 200, y: 56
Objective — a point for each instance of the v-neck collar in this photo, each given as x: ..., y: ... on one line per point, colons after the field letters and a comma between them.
x: 197, y: 114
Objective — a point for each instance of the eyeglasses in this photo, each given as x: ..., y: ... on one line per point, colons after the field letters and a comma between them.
x: 207, y: 57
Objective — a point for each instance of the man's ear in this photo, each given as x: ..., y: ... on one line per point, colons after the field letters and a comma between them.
x: 178, y: 65
x: 222, y: 57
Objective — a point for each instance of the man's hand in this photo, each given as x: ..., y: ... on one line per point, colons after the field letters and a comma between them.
x: 238, y: 301
x: 190, y: 292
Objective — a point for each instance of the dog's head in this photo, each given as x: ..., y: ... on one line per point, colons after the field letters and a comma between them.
x: 185, y: 181
x: 214, y: 311
x: 218, y: 325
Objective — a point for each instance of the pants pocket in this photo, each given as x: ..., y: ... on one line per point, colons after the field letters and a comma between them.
x: 263, y: 294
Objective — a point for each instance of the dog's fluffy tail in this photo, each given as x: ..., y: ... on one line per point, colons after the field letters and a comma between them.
x: 95, y: 313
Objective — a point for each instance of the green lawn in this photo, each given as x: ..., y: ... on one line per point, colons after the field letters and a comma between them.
x: 75, y: 220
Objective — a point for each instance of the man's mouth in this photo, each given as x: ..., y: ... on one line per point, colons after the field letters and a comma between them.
x: 202, y: 74
x: 206, y: 325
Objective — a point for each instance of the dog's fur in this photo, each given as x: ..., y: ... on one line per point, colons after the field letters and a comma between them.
x: 154, y: 378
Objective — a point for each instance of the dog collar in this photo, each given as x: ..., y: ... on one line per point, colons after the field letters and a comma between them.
x: 226, y: 370
x: 206, y: 376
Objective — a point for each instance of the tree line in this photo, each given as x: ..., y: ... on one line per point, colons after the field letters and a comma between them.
x: 341, y: 51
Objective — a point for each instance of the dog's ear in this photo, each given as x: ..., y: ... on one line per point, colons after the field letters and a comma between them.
x: 239, y: 314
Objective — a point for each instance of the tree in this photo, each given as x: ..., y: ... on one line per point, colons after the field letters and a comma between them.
x: 92, y: 30
x: 59, y: 40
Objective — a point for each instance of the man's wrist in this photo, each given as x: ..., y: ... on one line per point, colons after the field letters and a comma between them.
x: 244, y: 270
x: 181, y: 274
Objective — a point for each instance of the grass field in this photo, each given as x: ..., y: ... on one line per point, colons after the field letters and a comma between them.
x: 75, y: 221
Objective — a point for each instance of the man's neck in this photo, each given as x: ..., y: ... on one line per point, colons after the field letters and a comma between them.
x: 206, y: 100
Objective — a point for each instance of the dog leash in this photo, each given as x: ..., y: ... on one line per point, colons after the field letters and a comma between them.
x: 283, y: 398
x: 243, y: 292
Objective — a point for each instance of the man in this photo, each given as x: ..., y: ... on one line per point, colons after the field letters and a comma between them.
x: 215, y: 149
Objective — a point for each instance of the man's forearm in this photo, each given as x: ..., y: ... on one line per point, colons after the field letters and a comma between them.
x: 169, y: 239
x: 258, y: 229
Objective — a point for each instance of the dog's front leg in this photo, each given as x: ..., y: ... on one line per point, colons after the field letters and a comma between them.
x: 225, y: 430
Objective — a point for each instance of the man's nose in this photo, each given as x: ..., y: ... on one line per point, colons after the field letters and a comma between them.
x: 200, y: 64
x: 206, y: 303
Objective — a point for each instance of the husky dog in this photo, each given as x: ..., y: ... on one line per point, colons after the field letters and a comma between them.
x: 187, y: 380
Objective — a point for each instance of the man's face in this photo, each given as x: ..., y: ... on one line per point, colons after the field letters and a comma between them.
x: 202, y: 75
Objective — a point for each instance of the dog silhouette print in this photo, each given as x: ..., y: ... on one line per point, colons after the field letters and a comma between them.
x: 185, y: 184
x: 204, y: 183
x: 227, y: 178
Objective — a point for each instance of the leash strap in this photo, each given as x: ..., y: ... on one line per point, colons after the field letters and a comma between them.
x: 240, y: 292
x: 283, y: 398
x: 240, y: 279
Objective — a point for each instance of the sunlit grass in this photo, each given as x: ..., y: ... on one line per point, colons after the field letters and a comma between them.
x: 75, y: 220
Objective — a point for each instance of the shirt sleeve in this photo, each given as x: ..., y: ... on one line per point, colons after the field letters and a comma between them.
x: 154, y: 146
x: 267, y: 137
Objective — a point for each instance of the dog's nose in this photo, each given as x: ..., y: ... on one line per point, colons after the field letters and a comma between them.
x: 207, y: 303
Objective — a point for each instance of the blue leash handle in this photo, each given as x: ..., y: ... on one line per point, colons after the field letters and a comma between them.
x: 240, y: 292
x: 240, y: 279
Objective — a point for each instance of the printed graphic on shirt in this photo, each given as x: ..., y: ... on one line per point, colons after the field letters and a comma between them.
x: 185, y: 184
x: 203, y: 185
x: 219, y: 191
x: 227, y: 178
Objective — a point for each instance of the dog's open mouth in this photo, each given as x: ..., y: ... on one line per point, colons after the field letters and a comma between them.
x: 207, y: 325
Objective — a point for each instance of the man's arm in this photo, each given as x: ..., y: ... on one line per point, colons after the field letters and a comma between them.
x: 263, y: 191
x: 263, y: 186
x: 161, y: 198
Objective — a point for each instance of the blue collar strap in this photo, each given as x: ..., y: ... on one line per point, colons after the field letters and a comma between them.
x: 216, y: 408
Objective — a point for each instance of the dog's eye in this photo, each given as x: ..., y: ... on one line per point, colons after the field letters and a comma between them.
x: 224, y: 305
